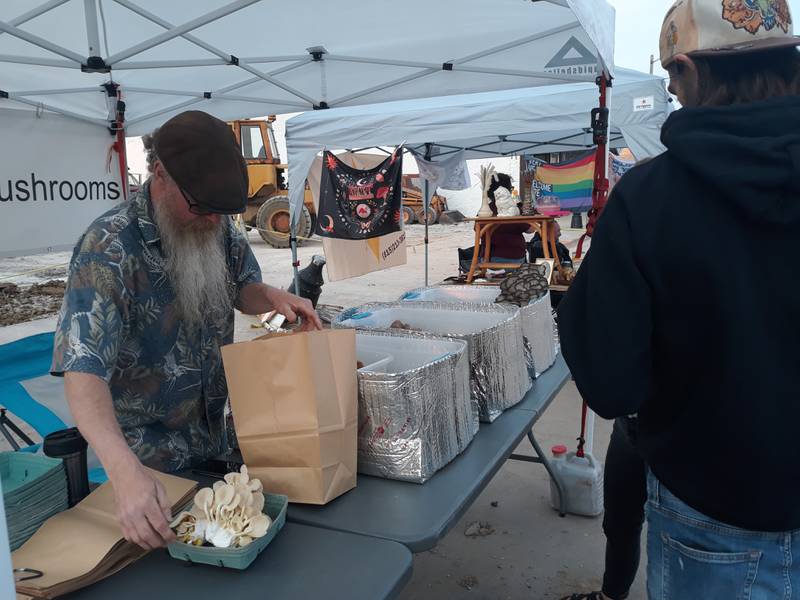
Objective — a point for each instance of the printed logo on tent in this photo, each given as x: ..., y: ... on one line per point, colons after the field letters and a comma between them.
x: 573, y: 59
x: 643, y: 104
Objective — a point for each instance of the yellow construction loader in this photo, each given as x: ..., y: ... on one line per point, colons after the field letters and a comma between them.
x: 268, y: 208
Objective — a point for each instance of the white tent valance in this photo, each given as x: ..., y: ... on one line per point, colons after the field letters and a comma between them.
x: 530, y: 121
x: 243, y: 58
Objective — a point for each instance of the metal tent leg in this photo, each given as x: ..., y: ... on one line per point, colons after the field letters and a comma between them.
x: 546, y: 462
x: 541, y: 458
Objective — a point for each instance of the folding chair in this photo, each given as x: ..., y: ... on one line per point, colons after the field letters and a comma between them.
x: 29, y: 392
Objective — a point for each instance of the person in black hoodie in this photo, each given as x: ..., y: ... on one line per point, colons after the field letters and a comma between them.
x: 687, y: 308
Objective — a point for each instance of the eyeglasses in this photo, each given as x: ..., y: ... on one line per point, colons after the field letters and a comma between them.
x: 194, y: 207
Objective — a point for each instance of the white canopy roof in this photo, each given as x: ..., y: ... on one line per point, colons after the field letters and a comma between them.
x: 530, y: 121
x: 249, y: 57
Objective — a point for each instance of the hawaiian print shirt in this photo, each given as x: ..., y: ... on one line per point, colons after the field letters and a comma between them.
x: 118, y: 321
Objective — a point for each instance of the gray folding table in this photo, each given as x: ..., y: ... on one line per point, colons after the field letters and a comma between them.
x: 301, y: 563
x: 418, y: 516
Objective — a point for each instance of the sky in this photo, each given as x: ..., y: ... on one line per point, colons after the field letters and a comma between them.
x: 638, y: 29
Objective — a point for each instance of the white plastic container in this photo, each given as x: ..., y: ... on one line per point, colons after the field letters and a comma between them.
x: 581, y: 480
x: 373, y: 361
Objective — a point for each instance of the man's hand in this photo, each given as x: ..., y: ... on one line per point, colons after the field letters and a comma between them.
x: 292, y: 307
x: 259, y: 298
x: 142, y: 507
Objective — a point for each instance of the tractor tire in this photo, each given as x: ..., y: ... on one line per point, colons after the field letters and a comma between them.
x: 273, y: 222
x: 433, y: 216
x: 409, y: 217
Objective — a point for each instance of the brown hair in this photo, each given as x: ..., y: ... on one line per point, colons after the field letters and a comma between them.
x: 148, y: 141
x: 743, y: 78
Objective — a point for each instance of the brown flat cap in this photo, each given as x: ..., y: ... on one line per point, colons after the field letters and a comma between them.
x: 201, y: 154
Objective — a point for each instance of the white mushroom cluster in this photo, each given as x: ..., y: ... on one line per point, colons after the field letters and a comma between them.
x: 229, y: 515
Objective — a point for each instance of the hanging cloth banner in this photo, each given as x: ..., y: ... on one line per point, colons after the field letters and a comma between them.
x: 449, y: 174
x: 353, y: 258
x: 357, y: 204
x: 565, y: 186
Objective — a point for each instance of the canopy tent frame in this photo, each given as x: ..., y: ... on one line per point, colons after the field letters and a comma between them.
x: 94, y: 62
x: 510, y: 51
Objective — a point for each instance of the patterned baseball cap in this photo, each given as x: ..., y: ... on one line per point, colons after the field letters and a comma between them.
x: 715, y: 27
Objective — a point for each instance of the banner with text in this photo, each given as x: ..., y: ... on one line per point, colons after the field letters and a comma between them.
x: 565, y: 186
x: 53, y: 181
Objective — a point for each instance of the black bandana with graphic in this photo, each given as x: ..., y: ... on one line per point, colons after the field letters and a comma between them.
x: 359, y: 204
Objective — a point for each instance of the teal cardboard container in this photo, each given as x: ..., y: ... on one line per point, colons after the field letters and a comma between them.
x: 275, y: 506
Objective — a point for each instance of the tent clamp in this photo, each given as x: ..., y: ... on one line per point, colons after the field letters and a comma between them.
x: 3, y: 94
x: 207, y: 95
x: 448, y: 66
x: 111, y: 89
x: 316, y: 52
x: 321, y: 106
x: 95, y: 64
x: 233, y: 61
x: 609, y: 81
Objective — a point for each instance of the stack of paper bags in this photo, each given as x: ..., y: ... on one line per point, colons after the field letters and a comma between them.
x: 34, y: 489
x: 84, y: 544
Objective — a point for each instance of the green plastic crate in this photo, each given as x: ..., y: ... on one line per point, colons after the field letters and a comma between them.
x: 275, y: 506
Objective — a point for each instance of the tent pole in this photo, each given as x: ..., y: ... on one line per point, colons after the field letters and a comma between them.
x: 295, y: 262
x: 427, y: 209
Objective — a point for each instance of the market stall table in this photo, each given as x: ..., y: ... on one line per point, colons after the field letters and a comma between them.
x: 485, y: 228
x: 419, y: 516
x: 302, y: 562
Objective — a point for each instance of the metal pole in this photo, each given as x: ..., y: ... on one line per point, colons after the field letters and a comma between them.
x: 427, y: 208
x: 652, y: 60
x: 295, y: 262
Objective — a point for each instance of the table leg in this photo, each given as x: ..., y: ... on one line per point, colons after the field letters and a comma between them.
x: 487, y: 242
x: 545, y: 229
x: 475, y: 252
x: 546, y: 462
x: 554, y: 252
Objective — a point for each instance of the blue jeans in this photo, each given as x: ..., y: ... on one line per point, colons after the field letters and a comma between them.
x: 693, y: 557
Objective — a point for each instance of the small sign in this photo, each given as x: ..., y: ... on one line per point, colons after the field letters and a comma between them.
x: 643, y: 104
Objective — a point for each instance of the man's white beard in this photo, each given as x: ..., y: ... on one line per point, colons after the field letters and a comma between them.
x: 196, y: 265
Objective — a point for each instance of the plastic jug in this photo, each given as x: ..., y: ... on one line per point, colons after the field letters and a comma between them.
x: 582, y: 482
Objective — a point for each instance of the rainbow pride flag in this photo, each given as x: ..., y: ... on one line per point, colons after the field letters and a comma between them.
x: 565, y: 186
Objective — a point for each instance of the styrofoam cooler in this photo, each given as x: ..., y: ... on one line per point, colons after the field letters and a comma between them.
x: 414, y: 405
x: 499, y: 375
x: 538, y: 326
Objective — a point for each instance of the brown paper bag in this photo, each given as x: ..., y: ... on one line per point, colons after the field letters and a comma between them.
x: 84, y: 544
x: 295, y: 405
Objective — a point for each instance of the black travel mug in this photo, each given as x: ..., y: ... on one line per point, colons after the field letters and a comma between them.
x: 69, y: 445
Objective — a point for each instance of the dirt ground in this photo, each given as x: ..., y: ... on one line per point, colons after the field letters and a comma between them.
x: 524, y: 551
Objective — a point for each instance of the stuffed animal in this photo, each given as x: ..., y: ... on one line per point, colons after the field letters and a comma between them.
x: 505, y: 203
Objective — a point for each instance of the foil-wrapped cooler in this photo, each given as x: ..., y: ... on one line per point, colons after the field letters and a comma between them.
x: 414, y: 405
x: 499, y: 375
x: 538, y: 325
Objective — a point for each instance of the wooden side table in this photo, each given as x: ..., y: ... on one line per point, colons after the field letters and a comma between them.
x: 485, y: 228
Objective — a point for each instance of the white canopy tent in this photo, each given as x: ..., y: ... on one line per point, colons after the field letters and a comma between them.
x: 554, y: 118
x: 251, y: 57
x: 524, y: 121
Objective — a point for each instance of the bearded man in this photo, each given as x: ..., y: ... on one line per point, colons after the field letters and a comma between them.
x: 149, y: 303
